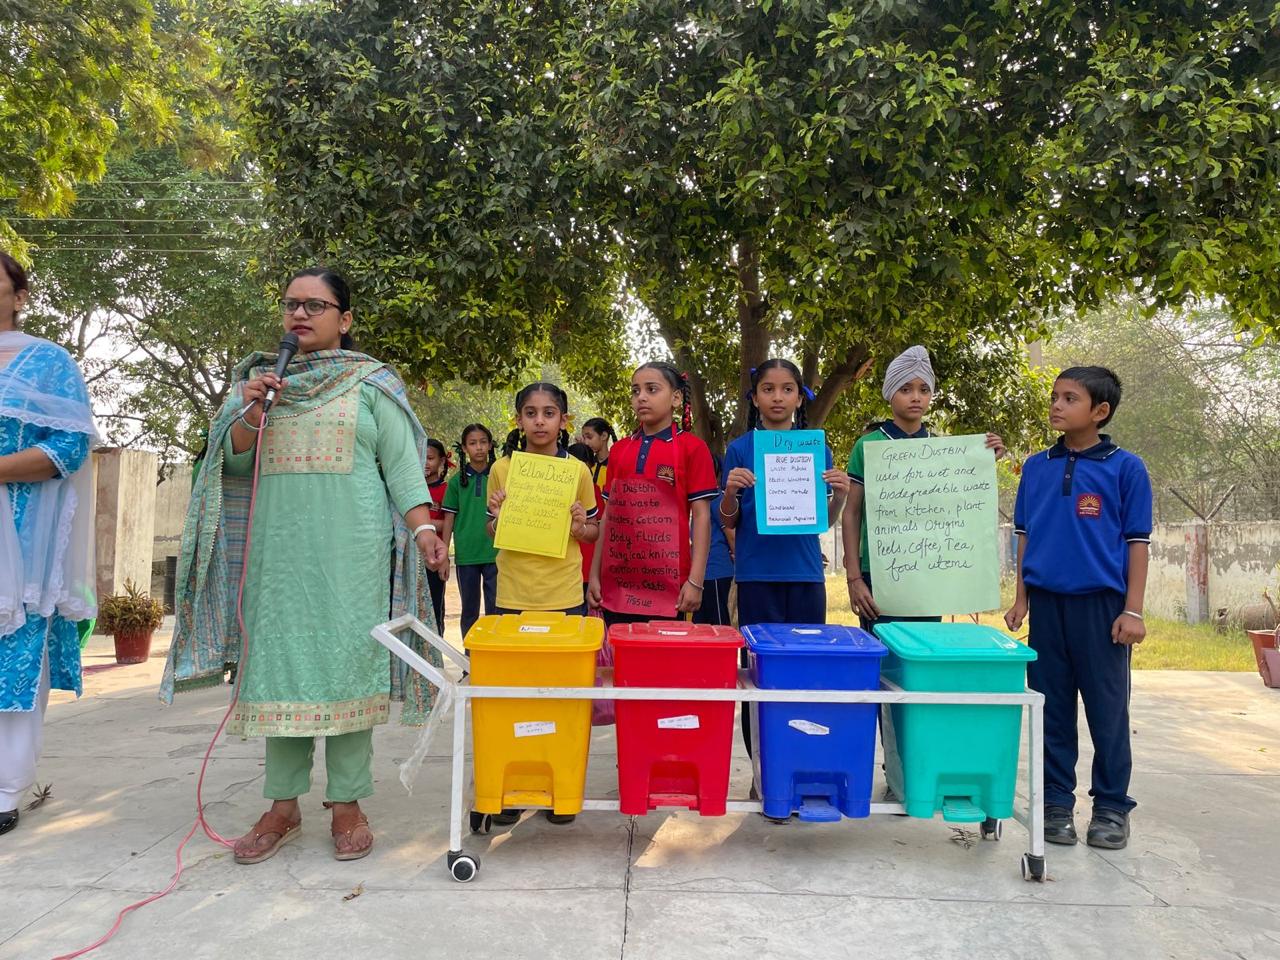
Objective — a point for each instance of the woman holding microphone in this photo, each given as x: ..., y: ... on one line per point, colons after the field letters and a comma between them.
x: 340, y: 518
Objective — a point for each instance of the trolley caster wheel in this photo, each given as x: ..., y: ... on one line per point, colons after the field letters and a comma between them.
x: 463, y: 867
x: 1032, y: 868
x: 991, y: 829
x: 481, y: 822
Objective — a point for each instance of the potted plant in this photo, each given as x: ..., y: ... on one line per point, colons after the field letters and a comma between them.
x: 1266, y: 647
x: 131, y: 618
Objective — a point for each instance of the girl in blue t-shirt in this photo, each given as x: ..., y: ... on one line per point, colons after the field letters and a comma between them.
x: 785, y: 571
x: 719, y: 576
x: 781, y: 577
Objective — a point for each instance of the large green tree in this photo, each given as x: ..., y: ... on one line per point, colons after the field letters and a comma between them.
x: 147, y: 284
x: 832, y: 182
x: 1201, y: 404
x: 849, y: 179
x: 77, y: 72
x: 417, y: 146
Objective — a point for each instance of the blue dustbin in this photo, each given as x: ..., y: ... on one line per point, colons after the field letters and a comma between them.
x: 814, y: 759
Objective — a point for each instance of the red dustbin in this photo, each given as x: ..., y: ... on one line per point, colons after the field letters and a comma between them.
x: 674, y: 753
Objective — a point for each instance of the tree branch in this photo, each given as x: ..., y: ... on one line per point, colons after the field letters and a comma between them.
x: 852, y: 368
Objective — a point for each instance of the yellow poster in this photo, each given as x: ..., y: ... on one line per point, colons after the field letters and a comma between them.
x: 535, y: 515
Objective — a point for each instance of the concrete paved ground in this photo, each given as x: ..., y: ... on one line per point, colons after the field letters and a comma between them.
x: 1201, y: 878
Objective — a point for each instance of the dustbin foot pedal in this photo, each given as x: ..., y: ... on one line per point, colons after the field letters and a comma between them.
x: 962, y: 810
x: 818, y: 810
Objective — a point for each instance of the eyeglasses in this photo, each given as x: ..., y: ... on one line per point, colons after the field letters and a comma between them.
x: 312, y: 306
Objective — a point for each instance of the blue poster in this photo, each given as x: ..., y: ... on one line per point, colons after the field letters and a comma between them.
x: 791, y: 496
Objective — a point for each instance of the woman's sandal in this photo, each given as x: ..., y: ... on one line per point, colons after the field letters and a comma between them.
x: 344, y: 825
x: 270, y: 823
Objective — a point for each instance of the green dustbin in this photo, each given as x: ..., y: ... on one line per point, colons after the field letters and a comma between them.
x: 954, y: 759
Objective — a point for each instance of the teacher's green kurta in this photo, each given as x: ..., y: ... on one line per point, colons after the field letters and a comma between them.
x: 318, y: 576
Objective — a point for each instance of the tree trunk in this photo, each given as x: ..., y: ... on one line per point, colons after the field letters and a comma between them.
x: 849, y: 370
x: 755, y: 334
x: 706, y: 422
x: 809, y: 363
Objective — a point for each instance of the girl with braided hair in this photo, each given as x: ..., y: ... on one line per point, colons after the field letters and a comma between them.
x: 781, y: 577
x: 657, y: 500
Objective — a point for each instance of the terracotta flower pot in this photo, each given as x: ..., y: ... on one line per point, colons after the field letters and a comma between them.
x: 133, y: 646
x: 1262, y: 641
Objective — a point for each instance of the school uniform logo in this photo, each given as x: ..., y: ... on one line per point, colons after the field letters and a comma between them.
x: 667, y: 473
x: 1089, y: 505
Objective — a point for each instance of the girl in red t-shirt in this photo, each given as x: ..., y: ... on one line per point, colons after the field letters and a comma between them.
x: 437, y: 482
x: 656, y: 532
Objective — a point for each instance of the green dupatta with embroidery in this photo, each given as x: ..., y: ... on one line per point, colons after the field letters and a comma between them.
x: 206, y: 638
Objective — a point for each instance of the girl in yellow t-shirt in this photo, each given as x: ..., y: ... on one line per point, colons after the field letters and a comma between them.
x: 527, y: 581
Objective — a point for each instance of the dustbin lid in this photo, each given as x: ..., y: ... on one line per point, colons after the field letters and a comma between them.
x: 673, y: 633
x: 821, y: 638
x: 951, y: 641
x: 545, y: 632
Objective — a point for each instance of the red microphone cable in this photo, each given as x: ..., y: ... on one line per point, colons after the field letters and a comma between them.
x: 201, y: 821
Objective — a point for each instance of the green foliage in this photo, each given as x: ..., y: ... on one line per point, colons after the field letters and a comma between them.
x: 1201, y: 402
x: 77, y: 72
x: 416, y: 147
x: 129, y: 612
x: 145, y: 285
x: 833, y: 182
x: 444, y: 409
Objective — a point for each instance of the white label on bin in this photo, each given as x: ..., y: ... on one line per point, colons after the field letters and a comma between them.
x: 535, y: 728
x: 805, y: 633
x: 673, y: 633
x: 534, y: 628
x: 688, y: 722
x: 809, y: 727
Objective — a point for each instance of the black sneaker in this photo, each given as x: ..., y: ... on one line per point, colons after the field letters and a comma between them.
x: 559, y: 819
x: 1059, y: 826
x: 1109, y: 829
x: 507, y: 817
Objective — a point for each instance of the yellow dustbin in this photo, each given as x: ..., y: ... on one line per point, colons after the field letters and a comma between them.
x: 532, y: 753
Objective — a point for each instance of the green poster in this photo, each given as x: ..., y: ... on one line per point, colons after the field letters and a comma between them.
x: 932, y: 525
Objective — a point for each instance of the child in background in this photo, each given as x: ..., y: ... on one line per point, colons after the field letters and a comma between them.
x: 1083, y: 519
x: 466, y: 512
x: 908, y: 387
x: 678, y: 464
x: 583, y: 452
x: 780, y: 577
x: 715, y: 595
x: 527, y: 581
x: 598, y: 435
x: 437, y: 471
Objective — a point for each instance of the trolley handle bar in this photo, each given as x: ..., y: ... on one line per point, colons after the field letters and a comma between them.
x: 446, y: 648
x: 743, y: 695
x: 415, y: 660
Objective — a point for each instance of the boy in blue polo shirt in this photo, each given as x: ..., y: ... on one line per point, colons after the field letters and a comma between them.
x: 1083, y: 519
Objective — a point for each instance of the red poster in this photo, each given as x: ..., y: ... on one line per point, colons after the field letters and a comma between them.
x: 640, y: 569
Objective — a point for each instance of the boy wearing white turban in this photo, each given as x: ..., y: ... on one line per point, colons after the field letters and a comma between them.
x: 909, y: 384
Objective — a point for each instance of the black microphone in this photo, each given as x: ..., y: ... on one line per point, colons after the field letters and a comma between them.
x: 288, y: 347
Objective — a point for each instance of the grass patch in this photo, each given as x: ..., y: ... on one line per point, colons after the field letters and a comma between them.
x: 1170, y: 645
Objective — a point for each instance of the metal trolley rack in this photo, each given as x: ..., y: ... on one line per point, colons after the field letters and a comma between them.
x: 464, y: 866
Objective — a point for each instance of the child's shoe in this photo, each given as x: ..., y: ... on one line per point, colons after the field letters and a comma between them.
x: 1059, y: 826
x: 1109, y: 829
